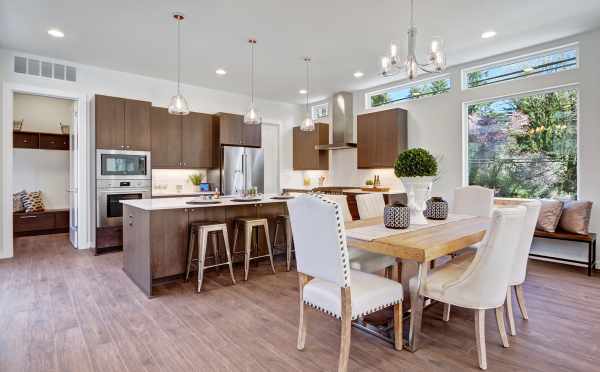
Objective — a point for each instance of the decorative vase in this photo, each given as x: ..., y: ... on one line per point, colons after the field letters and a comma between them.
x: 417, y: 190
x: 437, y: 208
x: 396, y: 216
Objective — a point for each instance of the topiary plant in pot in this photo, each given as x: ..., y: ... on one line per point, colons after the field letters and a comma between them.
x: 417, y: 169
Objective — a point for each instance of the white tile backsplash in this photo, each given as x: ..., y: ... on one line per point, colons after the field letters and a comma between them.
x: 173, y: 177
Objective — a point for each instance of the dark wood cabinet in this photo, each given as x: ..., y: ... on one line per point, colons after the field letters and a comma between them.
x: 26, y: 140
x: 233, y: 132
x: 381, y: 136
x: 37, y: 223
x: 40, y: 141
x: 137, y: 125
x: 54, y: 141
x: 166, y: 139
x: 182, y: 141
x: 168, y: 237
x: 122, y: 124
x: 305, y: 156
x: 197, y: 141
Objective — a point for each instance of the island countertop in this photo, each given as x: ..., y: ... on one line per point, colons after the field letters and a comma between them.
x: 182, y: 203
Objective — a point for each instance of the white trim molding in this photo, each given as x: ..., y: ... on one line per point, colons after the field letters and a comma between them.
x: 83, y: 187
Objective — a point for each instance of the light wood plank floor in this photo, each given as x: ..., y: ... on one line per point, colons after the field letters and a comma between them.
x: 65, y: 310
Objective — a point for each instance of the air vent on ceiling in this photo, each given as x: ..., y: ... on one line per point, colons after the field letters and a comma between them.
x: 45, y: 69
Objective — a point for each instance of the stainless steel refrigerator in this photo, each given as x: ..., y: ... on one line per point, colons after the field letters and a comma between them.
x: 241, y: 168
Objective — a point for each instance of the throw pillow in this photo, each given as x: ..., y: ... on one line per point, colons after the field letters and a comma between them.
x: 575, y: 217
x: 33, y: 202
x: 549, y: 215
x: 18, y: 201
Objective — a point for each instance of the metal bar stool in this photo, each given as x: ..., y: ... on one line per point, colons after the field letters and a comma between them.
x: 248, y: 224
x: 287, y: 235
x: 199, y: 231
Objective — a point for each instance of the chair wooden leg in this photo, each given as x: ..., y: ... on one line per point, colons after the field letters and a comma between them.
x: 228, y: 252
x: 509, y: 312
x: 502, y: 326
x: 521, y: 301
x: 191, y: 243
x: 346, y: 330
x: 398, y: 336
x: 446, y: 315
x: 302, y: 280
x: 202, y: 243
x: 389, y: 272
x: 480, y: 338
x: 247, y: 248
x: 269, y: 248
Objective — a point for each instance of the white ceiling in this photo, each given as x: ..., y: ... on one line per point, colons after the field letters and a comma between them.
x: 342, y: 36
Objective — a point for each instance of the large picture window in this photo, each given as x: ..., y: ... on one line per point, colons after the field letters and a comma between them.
x: 525, y: 146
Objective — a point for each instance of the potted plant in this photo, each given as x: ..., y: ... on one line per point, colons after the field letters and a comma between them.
x: 417, y: 169
x: 196, y: 180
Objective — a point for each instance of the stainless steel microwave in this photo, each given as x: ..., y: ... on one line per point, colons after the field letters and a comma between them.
x: 119, y: 164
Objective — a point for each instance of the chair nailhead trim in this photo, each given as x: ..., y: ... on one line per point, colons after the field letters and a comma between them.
x: 354, y: 317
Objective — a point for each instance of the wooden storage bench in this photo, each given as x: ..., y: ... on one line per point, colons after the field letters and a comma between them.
x: 590, y: 239
x: 50, y: 221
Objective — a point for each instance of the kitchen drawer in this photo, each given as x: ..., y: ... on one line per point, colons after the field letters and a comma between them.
x: 33, y: 222
x: 25, y: 140
x: 54, y: 141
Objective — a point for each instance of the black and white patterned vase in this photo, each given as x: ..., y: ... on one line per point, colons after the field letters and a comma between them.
x: 396, y: 216
x: 437, y: 209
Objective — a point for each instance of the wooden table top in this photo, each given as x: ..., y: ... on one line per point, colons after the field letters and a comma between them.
x: 425, y: 244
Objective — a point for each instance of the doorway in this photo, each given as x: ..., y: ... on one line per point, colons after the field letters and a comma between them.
x: 44, y: 173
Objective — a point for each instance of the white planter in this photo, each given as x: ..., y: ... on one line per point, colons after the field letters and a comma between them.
x: 418, y: 190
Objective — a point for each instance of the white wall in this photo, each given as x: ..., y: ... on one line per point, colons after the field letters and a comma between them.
x: 43, y: 170
x: 93, y: 80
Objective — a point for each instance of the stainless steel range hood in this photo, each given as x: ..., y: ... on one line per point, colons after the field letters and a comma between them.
x: 342, y: 121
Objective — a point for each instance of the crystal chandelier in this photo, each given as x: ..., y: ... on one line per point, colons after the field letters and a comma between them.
x: 436, y: 60
x: 308, y: 123
x: 252, y: 117
x: 178, y: 104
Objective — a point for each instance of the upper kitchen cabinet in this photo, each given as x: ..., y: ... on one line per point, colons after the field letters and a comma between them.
x: 381, y: 136
x: 305, y: 156
x: 182, y: 141
x: 233, y: 131
x: 197, y: 140
x: 122, y: 124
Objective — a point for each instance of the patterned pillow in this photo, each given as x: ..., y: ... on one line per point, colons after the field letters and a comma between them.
x: 18, y: 201
x: 575, y: 217
x: 549, y: 215
x: 33, y: 202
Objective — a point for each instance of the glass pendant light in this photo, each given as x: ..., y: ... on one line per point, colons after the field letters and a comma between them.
x: 308, y: 124
x: 178, y: 104
x: 252, y: 117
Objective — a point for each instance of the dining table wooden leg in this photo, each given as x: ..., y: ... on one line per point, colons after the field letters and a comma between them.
x: 416, y: 308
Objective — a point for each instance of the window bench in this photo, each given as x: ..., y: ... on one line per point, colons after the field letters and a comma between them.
x: 590, y: 239
x: 50, y: 221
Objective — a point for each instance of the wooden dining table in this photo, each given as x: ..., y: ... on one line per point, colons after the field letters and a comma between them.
x: 421, y: 246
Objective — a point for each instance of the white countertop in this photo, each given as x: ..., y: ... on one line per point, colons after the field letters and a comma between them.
x: 359, y: 191
x: 181, y: 203
x: 158, y: 194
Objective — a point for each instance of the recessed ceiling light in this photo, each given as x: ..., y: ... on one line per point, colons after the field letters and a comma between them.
x: 221, y: 72
x: 55, y: 32
x: 488, y: 34
x: 302, y: 91
x: 358, y: 74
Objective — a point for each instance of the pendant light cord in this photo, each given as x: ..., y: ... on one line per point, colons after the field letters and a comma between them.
x: 178, y: 56
x: 412, y: 13
x: 252, y: 42
x: 307, y: 60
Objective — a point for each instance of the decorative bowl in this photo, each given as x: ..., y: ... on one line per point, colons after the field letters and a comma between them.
x: 437, y: 209
x: 396, y: 216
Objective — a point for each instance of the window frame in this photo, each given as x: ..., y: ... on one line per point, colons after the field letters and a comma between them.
x: 465, y: 125
x: 409, y: 85
x: 520, y: 58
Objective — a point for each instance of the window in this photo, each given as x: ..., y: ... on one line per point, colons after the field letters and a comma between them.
x: 408, y: 92
x: 525, y: 146
x: 539, y: 64
x: 320, y: 111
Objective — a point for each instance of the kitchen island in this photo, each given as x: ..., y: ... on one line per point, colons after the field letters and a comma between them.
x: 155, y: 233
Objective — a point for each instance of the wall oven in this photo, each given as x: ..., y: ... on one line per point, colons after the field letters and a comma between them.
x: 118, y: 164
x: 111, y: 192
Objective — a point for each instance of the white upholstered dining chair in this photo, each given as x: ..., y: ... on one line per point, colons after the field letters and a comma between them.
x: 360, y: 259
x: 473, y: 200
x: 326, y: 281
x: 370, y: 205
x: 481, y: 284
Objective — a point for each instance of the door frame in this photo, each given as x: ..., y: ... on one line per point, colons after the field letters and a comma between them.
x: 278, y: 129
x: 83, y: 204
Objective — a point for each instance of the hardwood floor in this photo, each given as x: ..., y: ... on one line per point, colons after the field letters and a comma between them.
x: 67, y: 310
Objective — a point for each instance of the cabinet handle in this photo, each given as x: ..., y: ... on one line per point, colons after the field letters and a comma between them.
x: 25, y: 141
x: 130, y: 220
x: 27, y: 217
x: 52, y: 142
